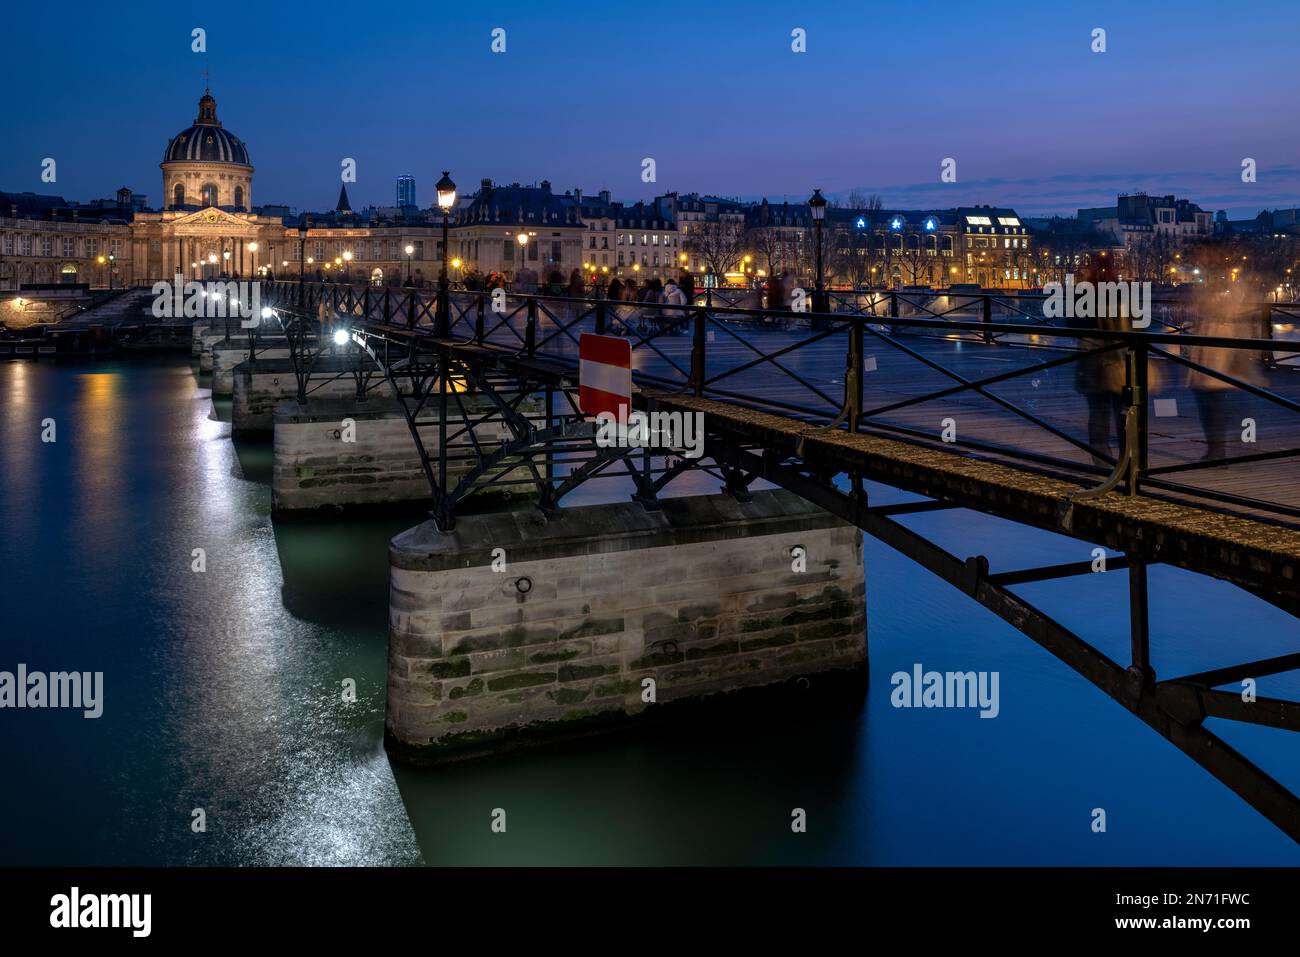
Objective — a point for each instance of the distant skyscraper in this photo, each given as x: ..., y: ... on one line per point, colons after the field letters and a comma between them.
x: 406, y: 191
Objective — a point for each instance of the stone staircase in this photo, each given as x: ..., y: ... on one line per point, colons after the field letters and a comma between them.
x: 123, y: 306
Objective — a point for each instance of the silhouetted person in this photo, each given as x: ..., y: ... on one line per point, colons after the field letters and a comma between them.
x: 671, y: 297
x: 776, y: 292
x: 1099, y: 377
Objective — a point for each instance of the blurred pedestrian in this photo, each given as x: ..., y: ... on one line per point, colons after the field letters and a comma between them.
x: 1222, y: 313
x: 1100, y: 376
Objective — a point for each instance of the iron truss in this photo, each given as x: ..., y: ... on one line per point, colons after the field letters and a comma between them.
x: 491, y: 432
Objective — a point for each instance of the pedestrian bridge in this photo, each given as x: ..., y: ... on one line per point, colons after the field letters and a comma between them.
x: 968, y: 401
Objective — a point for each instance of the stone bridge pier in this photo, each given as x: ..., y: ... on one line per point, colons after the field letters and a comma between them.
x: 337, y: 452
x: 513, y: 628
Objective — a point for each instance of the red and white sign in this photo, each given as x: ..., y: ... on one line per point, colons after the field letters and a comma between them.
x: 605, y: 375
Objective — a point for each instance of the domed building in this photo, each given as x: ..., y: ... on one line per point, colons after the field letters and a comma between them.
x: 205, y: 227
x: 205, y: 165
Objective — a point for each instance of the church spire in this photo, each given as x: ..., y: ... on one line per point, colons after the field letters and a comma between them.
x: 344, y: 206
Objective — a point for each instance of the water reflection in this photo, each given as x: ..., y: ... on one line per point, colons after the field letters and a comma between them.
x: 223, y: 691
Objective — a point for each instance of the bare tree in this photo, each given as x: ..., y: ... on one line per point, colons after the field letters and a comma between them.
x: 917, y: 260
x: 717, y: 245
x: 767, y: 244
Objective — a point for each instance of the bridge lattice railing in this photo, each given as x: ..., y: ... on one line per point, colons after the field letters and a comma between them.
x: 1172, y: 412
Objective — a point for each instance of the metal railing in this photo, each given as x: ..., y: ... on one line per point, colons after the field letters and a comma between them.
x: 1055, y: 413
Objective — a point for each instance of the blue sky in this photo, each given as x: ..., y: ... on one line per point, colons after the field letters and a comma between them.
x: 886, y: 90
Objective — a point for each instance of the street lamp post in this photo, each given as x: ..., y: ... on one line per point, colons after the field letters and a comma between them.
x: 303, y: 225
x: 252, y: 249
x: 446, y: 200
x: 523, y: 245
x: 817, y: 203
x: 410, y: 250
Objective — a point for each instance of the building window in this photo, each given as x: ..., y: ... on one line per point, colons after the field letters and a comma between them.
x: 318, y: 250
x: 555, y: 252
x: 9, y: 245
x: 507, y: 251
x: 178, y: 195
x: 69, y: 247
x: 239, y: 196
x: 209, y: 194
x: 25, y: 246
x: 92, y: 248
x: 115, y: 249
x: 47, y: 246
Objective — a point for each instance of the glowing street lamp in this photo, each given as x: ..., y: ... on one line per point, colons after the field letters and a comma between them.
x: 446, y: 191
x: 522, y: 239
x: 817, y: 204
x: 410, y: 251
x: 304, y: 224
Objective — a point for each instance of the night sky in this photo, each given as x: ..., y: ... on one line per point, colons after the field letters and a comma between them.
x: 713, y: 93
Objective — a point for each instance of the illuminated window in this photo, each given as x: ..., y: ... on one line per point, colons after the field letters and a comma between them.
x: 1007, y: 221
x: 978, y: 221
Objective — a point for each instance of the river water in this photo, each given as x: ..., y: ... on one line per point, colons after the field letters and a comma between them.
x: 222, y: 690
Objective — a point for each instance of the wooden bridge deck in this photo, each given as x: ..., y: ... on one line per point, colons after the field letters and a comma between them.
x: 1256, y: 555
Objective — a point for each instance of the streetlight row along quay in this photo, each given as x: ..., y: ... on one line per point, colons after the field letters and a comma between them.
x: 446, y: 190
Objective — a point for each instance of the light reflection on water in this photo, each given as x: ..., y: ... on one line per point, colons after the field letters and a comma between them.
x: 223, y: 690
